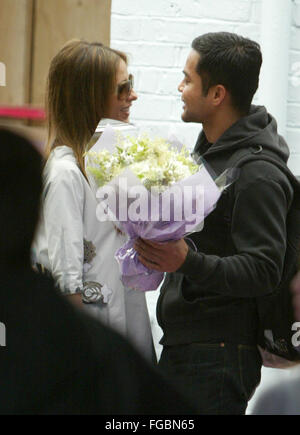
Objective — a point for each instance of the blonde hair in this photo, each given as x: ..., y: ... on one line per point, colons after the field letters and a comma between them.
x: 81, y: 78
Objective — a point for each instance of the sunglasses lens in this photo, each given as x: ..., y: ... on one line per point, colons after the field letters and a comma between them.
x: 125, y: 88
x: 131, y: 80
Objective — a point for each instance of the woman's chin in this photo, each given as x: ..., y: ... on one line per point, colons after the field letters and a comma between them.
x: 124, y: 118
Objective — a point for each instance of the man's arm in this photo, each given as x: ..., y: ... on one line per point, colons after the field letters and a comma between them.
x: 259, y: 236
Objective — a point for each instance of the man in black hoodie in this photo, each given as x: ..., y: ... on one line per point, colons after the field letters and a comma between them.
x: 207, y: 305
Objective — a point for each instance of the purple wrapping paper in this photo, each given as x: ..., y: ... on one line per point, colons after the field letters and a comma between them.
x: 200, y: 203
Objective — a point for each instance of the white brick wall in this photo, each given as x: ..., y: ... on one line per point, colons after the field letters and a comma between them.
x: 157, y: 35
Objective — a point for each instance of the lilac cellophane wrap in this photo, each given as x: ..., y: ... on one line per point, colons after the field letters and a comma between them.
x: 163, y: 219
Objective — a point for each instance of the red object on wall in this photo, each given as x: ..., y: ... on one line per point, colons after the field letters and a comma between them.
x: 22, y: 112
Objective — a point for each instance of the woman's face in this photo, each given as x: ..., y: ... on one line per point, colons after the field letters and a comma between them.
x: 120, y: 103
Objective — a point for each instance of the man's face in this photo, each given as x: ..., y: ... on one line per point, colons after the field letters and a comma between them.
x: 197, y: 107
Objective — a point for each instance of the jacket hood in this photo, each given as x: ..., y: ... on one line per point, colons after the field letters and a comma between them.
x: 259, y: 128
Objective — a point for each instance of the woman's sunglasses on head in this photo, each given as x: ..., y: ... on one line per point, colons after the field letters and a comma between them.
x: 125, y: 88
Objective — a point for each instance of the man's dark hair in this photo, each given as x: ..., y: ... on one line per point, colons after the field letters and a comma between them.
x: 232, y: 61
x: 20, y: 192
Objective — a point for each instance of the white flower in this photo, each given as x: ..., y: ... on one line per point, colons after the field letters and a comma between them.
x: 126, y: 145
x: 128, y: 160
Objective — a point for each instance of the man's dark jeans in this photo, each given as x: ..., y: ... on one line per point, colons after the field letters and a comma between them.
x: 219, y: 378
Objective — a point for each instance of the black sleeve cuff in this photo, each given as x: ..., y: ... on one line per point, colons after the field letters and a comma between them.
x: 192, y: 263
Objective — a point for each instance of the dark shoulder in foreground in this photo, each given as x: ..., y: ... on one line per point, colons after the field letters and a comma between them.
x: 58, y: 360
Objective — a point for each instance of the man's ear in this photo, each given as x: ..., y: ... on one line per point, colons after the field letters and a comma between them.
x: 219, y: 93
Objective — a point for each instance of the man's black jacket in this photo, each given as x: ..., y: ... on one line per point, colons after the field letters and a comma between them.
x: 211, y: 298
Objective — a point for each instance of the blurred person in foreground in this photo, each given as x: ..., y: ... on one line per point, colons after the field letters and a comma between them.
x: 56, y: 359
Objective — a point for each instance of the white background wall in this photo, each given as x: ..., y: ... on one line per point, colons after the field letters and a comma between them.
x: 157, y: 35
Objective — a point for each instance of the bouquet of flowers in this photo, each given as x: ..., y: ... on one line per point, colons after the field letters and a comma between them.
x: 150, y: 189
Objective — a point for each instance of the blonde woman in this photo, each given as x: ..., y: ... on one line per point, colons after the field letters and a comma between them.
x: 86, y: 82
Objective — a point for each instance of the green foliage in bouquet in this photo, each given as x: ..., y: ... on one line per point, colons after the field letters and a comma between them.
x: 154, y: 161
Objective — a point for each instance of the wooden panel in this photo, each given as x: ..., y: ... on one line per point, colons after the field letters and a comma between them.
x: 15, y: 37
x: 56, y: 22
